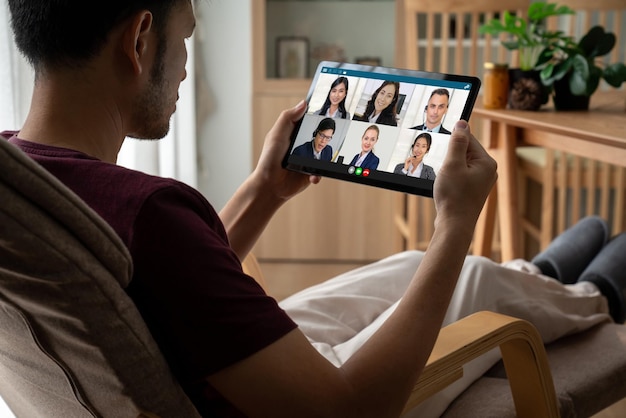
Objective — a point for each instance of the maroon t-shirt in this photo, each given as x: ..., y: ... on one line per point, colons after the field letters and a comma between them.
x: 202, y: 310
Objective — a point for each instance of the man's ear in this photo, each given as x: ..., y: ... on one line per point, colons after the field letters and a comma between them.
x: 137, y: 38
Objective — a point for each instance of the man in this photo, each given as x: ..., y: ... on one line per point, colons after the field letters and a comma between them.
x: 106, y: 70
x: 435, y: 111
x: 318, y: 147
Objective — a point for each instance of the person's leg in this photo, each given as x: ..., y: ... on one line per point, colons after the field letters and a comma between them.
x: 608, y: 272
x: 339, y: 316
x: 570, y: 252
x: 344, y: 308
x: 517, y: 289
x: 338, y: 309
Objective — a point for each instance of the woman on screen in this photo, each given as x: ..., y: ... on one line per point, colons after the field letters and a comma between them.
x: 381, y: 108
x: 414, y: 165
x: 366, y: 158
x: 335, y: 104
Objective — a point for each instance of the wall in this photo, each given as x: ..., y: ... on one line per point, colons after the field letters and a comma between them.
x: 224, y: 35
x: 358, y: 28
x: 225, y: 97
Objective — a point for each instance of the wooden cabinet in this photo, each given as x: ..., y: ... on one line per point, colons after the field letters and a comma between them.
x: 334, y: 221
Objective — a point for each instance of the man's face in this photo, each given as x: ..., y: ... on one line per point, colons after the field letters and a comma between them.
x: 322, y: 138
x: 154, y: 107
x: 437, y: 107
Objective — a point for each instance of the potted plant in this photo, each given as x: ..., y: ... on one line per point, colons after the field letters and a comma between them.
x: 573, y: 71
x: 530, y: 37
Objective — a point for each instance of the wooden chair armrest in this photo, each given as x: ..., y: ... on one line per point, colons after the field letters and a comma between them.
x: 522, y: 351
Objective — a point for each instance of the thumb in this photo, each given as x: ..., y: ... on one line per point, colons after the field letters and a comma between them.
x: 459, y: 141
x: 288, y: 118
x: 295, y: 113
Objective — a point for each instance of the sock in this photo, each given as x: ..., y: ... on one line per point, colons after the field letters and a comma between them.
x: 571, y: 252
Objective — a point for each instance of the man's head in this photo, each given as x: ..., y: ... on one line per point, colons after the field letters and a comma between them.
x: 323, y: 134
x: 437, y: 107
x: 56, y: 33
x: 134, y: 49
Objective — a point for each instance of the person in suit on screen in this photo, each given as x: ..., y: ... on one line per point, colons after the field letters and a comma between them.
x: 434, y: 112
x: 414, y: 165
x: 382, y: 106
x: 366, y: 158
x: 318, y: 147
x: 335, y: 104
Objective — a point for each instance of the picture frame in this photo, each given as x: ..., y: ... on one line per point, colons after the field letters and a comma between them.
x: 292, y: 57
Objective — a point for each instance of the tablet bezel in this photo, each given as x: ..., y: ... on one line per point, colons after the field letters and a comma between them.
x: 378, y: 178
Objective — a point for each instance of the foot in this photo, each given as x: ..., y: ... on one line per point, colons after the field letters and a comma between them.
x: 608, y: 272
x: 569, y: 253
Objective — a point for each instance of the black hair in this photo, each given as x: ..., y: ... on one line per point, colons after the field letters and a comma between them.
x: 342, y: 105
x: 326, y: 123
x: 426, y: 135
x: 390, y: 111
x: 57, y: 33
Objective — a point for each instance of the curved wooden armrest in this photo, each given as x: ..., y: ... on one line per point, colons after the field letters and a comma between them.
x: 522, y: 351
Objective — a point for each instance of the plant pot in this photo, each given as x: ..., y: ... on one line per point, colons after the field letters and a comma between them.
x: 565, y: 100
x: 526, y: 92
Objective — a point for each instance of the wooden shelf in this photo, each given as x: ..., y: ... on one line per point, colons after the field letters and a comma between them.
x: 333, y: 222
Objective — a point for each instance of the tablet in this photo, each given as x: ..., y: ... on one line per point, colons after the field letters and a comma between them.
x: 379, y: 126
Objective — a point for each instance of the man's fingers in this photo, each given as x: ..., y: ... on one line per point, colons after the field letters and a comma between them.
x: 295, y: 113
x: 459, y: 141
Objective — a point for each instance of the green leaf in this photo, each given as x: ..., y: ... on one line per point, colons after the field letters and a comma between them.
x: 595, y: 73
x: 511, y: 45
x: 563, y: 68
x: 577, y: 84
x: 546, y: 75
x: 606, y: 44
x: 494, y: 27
x: 579, y: 76
x: 597, y: 42
x: 615, y: 74
x: 581, y: 66
x: 539, y: 11
x: 544, y: 56
x: 535, y: 9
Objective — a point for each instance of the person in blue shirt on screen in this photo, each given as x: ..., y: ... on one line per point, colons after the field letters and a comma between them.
x: 318, y: 147
x: 366, y: 158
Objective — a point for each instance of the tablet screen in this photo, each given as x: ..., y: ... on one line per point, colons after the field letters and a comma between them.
x: 379, y: 126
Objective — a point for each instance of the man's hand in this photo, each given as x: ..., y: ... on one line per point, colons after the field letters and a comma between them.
x: 254, y: 203
x: 465, y: 179
x: 282, y: 183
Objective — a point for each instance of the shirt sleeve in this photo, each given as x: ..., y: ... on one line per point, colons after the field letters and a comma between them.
x: 203, y: 311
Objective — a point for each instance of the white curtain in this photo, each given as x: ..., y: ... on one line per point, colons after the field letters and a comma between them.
x: 16, y: 77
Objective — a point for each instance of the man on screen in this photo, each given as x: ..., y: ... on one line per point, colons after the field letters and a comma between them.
x: 435, y: 111
x: 318, y: 147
